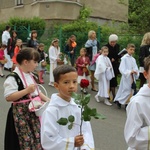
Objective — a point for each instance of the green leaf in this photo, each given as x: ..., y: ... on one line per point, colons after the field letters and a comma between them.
x: 99, y: 116
x: 75, y: 95
x: 86, y: 99
x: 87, y: 118
x: 62, y: 121
x: 93, y: 112
x: 70, y: 126
x: 71, y: 118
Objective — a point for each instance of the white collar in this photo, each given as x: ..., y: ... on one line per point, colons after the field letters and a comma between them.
x: 56, y: 100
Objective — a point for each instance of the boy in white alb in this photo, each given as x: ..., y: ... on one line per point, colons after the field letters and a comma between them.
x: 129, y: 70
x: 103, y: 73
x: 137, y: 127
x: 58, y: 137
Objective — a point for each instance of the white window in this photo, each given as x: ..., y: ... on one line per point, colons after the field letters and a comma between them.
x: 19, y: 2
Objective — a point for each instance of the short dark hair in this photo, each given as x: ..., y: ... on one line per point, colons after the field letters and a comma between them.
x: 61, y: 70
x: 3, y: 46
x: 27, y: 54
x: 7, y: 27
x: 147, y: 63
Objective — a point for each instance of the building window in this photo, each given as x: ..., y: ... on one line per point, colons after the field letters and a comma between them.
x: 19, y: 2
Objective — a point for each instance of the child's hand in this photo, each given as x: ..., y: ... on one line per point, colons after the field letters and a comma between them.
x: 78, y: 141
x: 72, y: 52
x: 31, y: 88
x: 83, y: 65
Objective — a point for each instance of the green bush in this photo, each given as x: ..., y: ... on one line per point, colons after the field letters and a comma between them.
x: 24, y: 26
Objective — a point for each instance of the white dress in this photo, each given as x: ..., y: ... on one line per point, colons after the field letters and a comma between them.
x: 124, y: 93
x: 53, y: 56
x: 58, y: 137
x: 137, y: 127
x: 102, y: 64
x: 5, y: 37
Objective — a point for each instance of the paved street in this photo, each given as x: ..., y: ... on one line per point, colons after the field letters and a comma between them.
x: 108, y: 133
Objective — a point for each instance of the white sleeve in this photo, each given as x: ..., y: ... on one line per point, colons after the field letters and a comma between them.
x: 136, y: 134
x: 10, y: 86
x: 136, y: 69
x: 52, y: 54
x: 88, y: 136
x: 123, y: 69
x: 50, y: 137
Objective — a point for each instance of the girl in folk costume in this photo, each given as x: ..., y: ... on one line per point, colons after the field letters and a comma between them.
x: 137, y: 127
x: 82, y: 64
x: 70, y: 49
x: 103, y: 73
x: 16, y: 51
x: 20, y: 88
x: 129, y: 70
x: 54, y: 52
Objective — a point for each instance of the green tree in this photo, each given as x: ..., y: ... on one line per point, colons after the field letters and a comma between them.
x: 139, y: 15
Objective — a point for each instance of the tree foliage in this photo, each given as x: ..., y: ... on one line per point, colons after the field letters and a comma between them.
x: 139, y: 15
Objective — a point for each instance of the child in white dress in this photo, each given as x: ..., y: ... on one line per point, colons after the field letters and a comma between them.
x: 129, y: 70
x: 137, y: 127
x: 103, y: 73
x: 58, y: 137
x: 54, y: 52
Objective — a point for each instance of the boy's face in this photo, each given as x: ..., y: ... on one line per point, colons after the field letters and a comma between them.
x: 147, y: 75
x: 131, y: 50
x: 67, y: 85
x: 41, y: 48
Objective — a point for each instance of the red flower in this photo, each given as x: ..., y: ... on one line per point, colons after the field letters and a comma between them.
x: 84, y: 83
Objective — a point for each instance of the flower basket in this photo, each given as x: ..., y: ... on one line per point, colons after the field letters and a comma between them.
x: 60, y: 62
x: 44, y: 64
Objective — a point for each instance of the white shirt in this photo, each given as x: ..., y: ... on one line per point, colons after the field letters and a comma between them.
x: 137, y: 127
x: 58, y: 137
x: 5, y: 37
x: 53, y: 54
x: 10, y: 84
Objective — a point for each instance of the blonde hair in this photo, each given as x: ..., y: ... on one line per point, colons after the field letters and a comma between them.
x: 90, y: 33
x: 54, y: 40
x: 41, y: 45
x: 84, y: 49
x: 104, y: 47
x: 130, y: 45
x: 146, y: 39
x: 18, y: 40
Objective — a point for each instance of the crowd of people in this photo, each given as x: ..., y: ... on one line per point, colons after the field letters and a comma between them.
x: 29, y: 131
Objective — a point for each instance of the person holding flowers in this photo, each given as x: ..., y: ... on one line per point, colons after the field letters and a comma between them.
x: 55, y: 136
x: 70, y: 49
x: 82, y: 64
